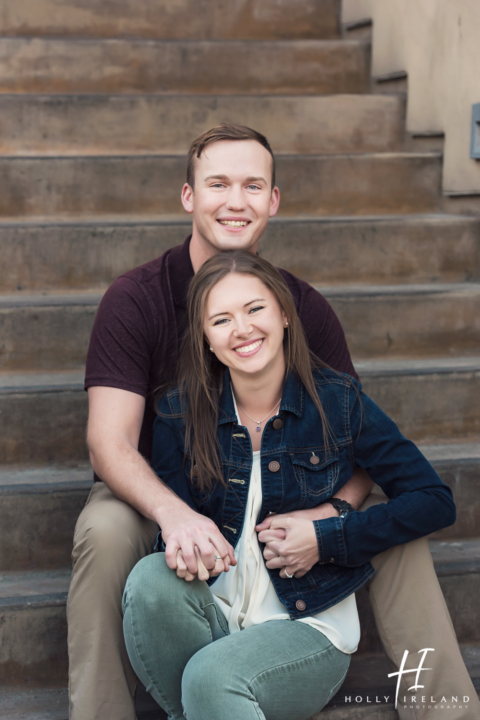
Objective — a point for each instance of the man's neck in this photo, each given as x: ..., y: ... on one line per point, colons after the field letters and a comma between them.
x: 200, y: 251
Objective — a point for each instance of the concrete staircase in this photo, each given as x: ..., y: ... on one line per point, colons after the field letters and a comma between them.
x: 98, y: 104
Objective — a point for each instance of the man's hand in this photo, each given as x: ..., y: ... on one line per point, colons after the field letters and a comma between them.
x: 195, y: 536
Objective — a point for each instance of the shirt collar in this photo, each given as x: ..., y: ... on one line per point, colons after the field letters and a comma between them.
x: 181, y: 272
x: 292, y: 398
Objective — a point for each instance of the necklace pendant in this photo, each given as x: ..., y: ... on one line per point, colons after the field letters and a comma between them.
x: 257, y: 428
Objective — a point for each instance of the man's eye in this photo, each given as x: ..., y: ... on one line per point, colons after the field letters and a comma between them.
x: 254, y: 187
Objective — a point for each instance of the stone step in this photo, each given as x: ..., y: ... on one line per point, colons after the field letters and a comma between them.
x: 369, y: 184
x: 38, y: 511
x: 408, y: 391
x: 40, y: 506
x: 409, y: 321
x: 458, y: 464
x: 42, y: 418
x: 52, y: 254
x: 178, y: 19
x: 47, y: 331
x: 86, y: 124
x: 298, y: 67
x: 33, y: 628
x: 33, y: 625
x: 43, y: 415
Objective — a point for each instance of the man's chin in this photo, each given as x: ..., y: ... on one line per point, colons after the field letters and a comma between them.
x: 236, y: 241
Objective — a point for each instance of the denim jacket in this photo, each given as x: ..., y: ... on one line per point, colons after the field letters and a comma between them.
x: 298, y: 472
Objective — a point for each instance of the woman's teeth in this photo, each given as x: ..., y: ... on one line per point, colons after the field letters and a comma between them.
x: 233, y: 223
x: 249, y: 348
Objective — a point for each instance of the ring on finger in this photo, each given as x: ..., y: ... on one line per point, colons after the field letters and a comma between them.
x: 289, y: 576
x: 218, y: 557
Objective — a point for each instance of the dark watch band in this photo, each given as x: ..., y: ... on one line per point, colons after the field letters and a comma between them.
x: 342, y: 506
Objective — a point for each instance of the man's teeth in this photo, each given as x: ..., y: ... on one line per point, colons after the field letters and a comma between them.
x: 233, y: 223
x: 249, y: 348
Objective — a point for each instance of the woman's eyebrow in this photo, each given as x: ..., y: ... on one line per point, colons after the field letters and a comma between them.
x: 225, y: 312
x: 256, y: 300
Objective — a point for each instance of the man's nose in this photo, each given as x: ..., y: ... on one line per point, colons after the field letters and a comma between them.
x: 236, y: 198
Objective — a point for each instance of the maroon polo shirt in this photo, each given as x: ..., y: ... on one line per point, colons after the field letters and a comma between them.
x: 136, y: 335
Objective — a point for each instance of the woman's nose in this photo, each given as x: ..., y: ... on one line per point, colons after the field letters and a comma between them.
x: 242, y: 327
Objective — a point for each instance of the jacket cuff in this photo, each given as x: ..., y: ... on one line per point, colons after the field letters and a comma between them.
x: 330, y: 540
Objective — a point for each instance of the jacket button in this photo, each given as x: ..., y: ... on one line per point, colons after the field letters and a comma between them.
x: 277, y: 424
x: 274, y: 466
x: 314, y: 460
x: 301, y: 605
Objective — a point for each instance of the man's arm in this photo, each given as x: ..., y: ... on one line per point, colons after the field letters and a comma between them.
x: 114, y: 423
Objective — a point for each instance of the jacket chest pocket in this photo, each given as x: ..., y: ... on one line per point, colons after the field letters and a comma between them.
x: 316, y: 475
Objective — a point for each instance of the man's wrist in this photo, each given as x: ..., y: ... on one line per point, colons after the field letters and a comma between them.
x: 341, y: 506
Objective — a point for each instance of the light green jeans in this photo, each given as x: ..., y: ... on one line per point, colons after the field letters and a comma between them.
x: 180, y: 648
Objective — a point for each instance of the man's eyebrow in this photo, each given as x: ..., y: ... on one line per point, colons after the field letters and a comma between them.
x: 225, y: 312
x: 226, y: 178
x: 216, y: 177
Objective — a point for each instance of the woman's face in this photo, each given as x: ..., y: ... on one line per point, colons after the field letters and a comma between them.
x: 244, y: 324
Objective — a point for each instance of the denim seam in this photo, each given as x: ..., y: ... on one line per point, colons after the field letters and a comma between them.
x: 290, y: 662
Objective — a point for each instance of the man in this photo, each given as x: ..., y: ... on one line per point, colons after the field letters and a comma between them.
x: 231, y: 194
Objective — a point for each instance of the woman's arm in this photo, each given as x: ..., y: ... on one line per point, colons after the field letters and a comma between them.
x: 419, y: 502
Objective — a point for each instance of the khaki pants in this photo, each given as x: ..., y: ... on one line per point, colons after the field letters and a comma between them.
x: 111, y: 537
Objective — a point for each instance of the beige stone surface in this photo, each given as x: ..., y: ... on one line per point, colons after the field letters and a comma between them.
x: 436, y: 43
x: 173, y: 19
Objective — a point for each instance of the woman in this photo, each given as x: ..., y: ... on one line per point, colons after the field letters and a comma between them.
x: 256, y: 427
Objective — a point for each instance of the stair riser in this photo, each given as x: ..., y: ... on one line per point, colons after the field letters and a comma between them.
x: 128, y: 66
x: 181, y: 19
x: 45, y: 338
x: 36, y: 638
x: 422, y: 411
x: 37, y: 525
x: 410, y: 326
x: 46, y: 257
x: 49, y: 427
x: 43, y: 428
x: 168, y: 124
x: 318, y: 185
x: 464, y: 480
x: 33, y: 645
x: 36, y: 531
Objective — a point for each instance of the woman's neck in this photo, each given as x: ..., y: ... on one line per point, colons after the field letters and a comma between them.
x: 258, y: 394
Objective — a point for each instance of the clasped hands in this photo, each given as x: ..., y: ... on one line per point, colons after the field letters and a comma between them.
x: 197, y: 548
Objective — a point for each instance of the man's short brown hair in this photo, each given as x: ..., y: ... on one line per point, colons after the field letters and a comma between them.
x: 225, y: 131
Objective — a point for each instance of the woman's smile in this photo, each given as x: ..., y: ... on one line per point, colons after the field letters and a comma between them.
x: 250, y: 349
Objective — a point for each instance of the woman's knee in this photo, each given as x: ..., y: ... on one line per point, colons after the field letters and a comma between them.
x: 153, y: 587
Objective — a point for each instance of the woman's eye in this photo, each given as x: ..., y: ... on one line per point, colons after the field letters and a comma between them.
x: 258, y: 307
x: 220, y: 322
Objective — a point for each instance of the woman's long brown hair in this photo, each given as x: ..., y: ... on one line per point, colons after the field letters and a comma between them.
x: 200, y: 373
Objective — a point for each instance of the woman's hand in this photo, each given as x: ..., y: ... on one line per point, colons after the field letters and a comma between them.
x: 203, y: 573
x: 291, y: 543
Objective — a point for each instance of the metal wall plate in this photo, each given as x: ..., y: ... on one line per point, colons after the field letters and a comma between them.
x: 475, y: 147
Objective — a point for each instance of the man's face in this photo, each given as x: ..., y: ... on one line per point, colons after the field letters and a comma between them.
x: 233, y: 198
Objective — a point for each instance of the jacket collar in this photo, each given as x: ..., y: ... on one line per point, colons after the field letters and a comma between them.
x: 292, y: 398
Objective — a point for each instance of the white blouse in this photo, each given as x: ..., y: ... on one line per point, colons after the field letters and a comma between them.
x: 247, y: 596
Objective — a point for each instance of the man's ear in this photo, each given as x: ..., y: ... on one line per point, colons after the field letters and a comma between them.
x: 187, y: 198
x: 274, y: 202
